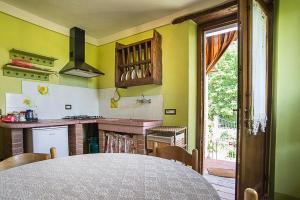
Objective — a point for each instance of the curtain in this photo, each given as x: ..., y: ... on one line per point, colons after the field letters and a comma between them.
x: 259, y: 69
x: 216, y: 45
x: 117, y: 143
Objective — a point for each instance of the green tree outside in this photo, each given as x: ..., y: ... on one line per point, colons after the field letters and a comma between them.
x: 223, y: 87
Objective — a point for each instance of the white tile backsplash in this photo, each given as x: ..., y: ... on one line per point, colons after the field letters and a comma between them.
x: 129, y: 108
x: 84, y: 101
x: 14, y: 102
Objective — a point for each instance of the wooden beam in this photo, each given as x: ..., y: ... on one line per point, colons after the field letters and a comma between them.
x: 205, y: 16
x: 269, y: 1
x: 231, y: 19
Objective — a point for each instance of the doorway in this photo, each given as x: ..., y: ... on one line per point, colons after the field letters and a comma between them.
x: 220, y: 106
x: 253, y: 132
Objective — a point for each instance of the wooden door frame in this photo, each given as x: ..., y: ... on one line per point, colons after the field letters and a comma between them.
x: 211, y: 18
x: 223, y: 15
x: 243, y: 49
x: 219, y: 21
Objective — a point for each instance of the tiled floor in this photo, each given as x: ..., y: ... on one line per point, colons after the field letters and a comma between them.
x: 224, y: 186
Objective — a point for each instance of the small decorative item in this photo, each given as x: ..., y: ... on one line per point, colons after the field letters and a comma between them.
x: 22, y: 116
x: 114, y: 100
x: 113, y: 103
x: 43, y: 90
x: 27, y: 102
x: 93, y: 146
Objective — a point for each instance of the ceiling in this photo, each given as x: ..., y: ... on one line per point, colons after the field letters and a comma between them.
x: 101, y: 18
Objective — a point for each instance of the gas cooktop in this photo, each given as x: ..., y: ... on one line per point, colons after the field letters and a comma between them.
x: 81, y: 117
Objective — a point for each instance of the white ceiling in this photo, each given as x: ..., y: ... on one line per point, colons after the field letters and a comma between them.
x: 101, y: 18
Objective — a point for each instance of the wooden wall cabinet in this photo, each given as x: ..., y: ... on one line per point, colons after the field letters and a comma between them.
x: 139, y: 63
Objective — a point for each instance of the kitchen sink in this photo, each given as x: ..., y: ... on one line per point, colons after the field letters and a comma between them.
x: 137, y: 126
x: 140, y: 122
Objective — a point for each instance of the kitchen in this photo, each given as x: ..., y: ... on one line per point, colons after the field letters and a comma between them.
x: 107, y: 87
x: 65, y: 95
x: 45, y: 122
x: 59, y: 90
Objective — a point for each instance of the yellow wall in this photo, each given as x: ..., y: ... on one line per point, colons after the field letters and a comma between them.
x: 22, y: 35
x: 178, y: 63
x: 287, y: 100
x: 18, y: 34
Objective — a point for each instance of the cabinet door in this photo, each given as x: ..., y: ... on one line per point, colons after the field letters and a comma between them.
x: 45, y: 138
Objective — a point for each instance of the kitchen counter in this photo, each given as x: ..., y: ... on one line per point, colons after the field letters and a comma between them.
x: 135, y: 128
x: 46, y: 123
x: 13, y: 132
x: 63, y: 122
x: 130, y: 122
x: 13, y: 141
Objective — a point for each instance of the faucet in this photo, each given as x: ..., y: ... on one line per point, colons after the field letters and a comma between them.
x: 143, y: 100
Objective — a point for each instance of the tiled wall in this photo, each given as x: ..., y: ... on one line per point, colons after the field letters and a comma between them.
x: 84, y: 101
x: 129, y: 108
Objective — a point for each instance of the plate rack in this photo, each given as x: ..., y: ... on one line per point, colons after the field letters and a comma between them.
x: 139, y: 63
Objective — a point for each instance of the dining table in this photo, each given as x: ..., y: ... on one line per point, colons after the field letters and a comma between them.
x: 107, y: 176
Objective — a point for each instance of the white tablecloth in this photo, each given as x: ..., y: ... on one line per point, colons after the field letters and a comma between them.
x: 107, y: 177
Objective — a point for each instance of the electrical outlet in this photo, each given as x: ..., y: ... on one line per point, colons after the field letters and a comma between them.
x: 170, y: 111
x: 68, y: 107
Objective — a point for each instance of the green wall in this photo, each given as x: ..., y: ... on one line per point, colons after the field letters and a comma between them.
x: 179, y: 64
x: 179, y: 78
x: 192, y: 87
x: 179, y: 72
x: 287, y: 100
x: 18, y: 34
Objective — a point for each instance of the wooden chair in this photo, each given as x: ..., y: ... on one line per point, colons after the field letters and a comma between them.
x: 250, y: 194
x: 178, y: 154
x: 26, y: 158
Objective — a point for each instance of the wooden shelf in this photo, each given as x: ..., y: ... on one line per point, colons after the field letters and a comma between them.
x: 27, y: 73
x: 32, y: 57
x: 139, y: 63
x: 136, y: 82
x: 135, y: 63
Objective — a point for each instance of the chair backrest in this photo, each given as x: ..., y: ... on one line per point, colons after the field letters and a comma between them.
x: 250, y: 194
x: 26, y: 158
x: 53, y: 152
x: 178, y: 154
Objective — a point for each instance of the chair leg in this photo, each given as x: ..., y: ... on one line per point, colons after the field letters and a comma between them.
x: 155, y: 145
x: 53, y: 152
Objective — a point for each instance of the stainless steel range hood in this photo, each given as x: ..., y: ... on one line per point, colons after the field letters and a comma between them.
x: 77, y: 66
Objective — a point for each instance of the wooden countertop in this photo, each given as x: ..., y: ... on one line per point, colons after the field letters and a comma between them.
x: 130, y: 122
x: 63, y: 122
x: 46, y: 123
